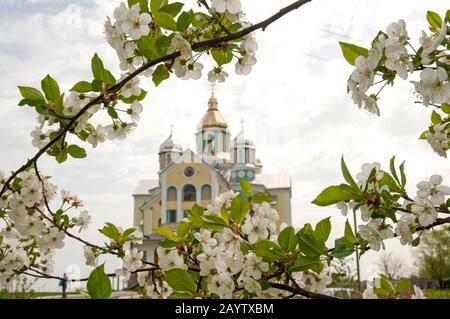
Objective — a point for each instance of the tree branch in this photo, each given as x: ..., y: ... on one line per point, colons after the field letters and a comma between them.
x: 300, y: 291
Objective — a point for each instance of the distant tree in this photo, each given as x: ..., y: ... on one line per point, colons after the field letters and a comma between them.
x: 433, y: 254
x: 342, y: 274
x: 392, y: 266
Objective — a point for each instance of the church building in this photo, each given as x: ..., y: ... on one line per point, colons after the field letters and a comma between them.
x: 186, y: 177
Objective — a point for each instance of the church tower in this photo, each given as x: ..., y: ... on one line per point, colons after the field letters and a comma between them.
x: 243, y: 155
x: 213, y: 137
x: 169, y: 151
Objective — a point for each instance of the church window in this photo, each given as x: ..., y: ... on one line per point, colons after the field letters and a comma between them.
x: 189, y: 171
x: 171, y: 194
x: 171, y: 216
x: 206, y: 192
x: 189, y: 193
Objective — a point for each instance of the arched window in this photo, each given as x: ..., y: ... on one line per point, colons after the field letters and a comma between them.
x: 206, y: 192
x: 171, y: 194
x: 189, y: 193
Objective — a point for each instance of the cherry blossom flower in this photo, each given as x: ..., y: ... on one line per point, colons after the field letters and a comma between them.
x: 424, y: 208
x: 433, y: 86
x: 433, y: 189
x: 83, y: 220
x: 89, y: 255
x: 439, y: 139
x: 217, y: 75
x: 232, y: 6
x: 397, y: 33
x: 97, y: 136
x: 135, y: 111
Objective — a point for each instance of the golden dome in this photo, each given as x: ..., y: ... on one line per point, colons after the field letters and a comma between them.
x: 212, y: 118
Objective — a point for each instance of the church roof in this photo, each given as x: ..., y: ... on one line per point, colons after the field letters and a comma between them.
x: 170, y: 144
x: 271, y: 181
x: 145, y: 186
x: 241, y: 141
x: 212, y: 118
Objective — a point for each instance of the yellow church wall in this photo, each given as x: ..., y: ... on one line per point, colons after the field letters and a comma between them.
x: 175, y: 176
x: 138, y: 202
x: 156, y: 214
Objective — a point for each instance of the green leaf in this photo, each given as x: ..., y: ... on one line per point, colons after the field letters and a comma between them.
x: 110, y: 231
x: 97, y: 85
x: 246, y: 187
x: 334, y: 194
x: 128, y: 232
x: 222, y: 56
x: 173, y: 9
x: 303, y: 263
x: 349, y: 235
x: 163, y: 44
x: 82, y: 87
x: 389, y: 181
x: 168, y: 243
x: 386, y: 285
x: 143, y: 4
x: 108, y: 78
x: 97, y: 67
x: 31, y: 94
x: 147, y: 47
x: 402, y: 285
x: 183, y: 22
x: 50, y: 88
x: 213, y: 222
x: 323, y: 229
x: 61, y: 157
x: 180, y: 280
x: 98, y: 285
x: 268, y: 250
x: 351, y: 52
x: 183, y: 229
x: 259, y: 198
x: 99, y: 72
x: 239, y: 209
x: 161, y: 73
x: 393, y: 169
x: 347, y: 176
x: 309, y: 242
x: 402, y: 173
x: 165, y: 232
x: 287, y: 239
x: 76, y: 152
x: 165, y: 20
x: 445, y: 107
x: 447, y: 16
x: 434, y: 19
x: 342, y: 248
x: 155, y: 5
x: 423, y: 136
x: 435, y: 118
x: 181, y: 295
x: 112, y: 112
x: 195, y: 215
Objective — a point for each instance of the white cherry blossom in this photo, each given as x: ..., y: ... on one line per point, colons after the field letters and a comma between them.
x: 425, y: 209
x: 83, y: 220
x: 231, y: 6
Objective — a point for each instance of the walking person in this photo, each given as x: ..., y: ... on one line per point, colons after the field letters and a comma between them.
x: 63, y: 285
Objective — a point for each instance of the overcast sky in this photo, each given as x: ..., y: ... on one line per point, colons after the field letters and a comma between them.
x: 294, y: 104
